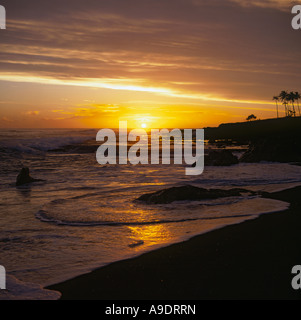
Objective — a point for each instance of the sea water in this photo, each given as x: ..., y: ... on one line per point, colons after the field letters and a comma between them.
x: 83, y: 215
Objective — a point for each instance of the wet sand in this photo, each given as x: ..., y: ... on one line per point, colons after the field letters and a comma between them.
x: 251, y: 260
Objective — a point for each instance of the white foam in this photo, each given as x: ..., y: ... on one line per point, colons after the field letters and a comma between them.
x: 18, y: 290
x: 42, y: 144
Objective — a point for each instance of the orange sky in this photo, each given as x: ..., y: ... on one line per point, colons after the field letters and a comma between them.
x: 185, y: 63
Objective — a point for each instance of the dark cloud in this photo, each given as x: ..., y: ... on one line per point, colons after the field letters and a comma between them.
x: 221, y: 46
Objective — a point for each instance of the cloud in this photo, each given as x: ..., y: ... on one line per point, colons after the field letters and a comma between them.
x: 275, y: 4
x: 227, y: 50
x: 5, y: 119
x: 32, y: 113
x: 89, y: 111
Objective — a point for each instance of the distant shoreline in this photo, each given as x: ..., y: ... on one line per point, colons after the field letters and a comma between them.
x: 252, y: 130
x: 250, y: 260
x: 273, y: 140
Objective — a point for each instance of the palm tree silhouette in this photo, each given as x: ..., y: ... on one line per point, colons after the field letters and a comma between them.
x: 283, y: 97
x: 288, y: 112
x: 276, y: 98
x: 291, y: 98
x: 287, y: 99
x: 297, y: 97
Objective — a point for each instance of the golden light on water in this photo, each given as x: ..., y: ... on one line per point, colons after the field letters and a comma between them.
x: 151, y: 234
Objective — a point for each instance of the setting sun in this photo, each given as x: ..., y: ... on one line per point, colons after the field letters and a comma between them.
x: 142, y: 139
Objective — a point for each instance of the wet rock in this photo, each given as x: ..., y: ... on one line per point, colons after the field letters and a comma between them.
x: 274, y: 150
x: 24, y: 177
x: 220, y: 158
x: 136, y: 243
x: 188, y: 192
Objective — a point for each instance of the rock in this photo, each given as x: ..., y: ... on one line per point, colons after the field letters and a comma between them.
x: 274, y: 150
x: 252, y: 154
x: 136, y: 243
x: 188, y: 192
x: 24, y: 177
x: 220, y: 158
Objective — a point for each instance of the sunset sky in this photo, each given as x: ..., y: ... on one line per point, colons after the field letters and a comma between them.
x: 163, y: 63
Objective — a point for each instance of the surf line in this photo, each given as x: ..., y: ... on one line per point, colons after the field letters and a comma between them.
x: 138, y: 152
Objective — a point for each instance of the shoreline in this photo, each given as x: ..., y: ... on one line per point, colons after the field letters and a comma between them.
x: 249, y: 260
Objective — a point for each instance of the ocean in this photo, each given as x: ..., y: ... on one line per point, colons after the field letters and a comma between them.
x: 83, y: 215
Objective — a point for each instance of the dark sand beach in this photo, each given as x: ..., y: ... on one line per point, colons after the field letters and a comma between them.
x: 251, y: 260
x: 140, y: 142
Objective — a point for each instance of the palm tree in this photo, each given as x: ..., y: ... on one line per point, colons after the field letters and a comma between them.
x: 276, y: 98
x: 283, y: 97
x: 297, y: 97
x: 287, y: 110
x: 291, y: 98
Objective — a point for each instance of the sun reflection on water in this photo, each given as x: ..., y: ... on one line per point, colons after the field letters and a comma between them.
x: 150, y: 234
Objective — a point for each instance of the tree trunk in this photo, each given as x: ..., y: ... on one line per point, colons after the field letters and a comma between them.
x: 294, y: 112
